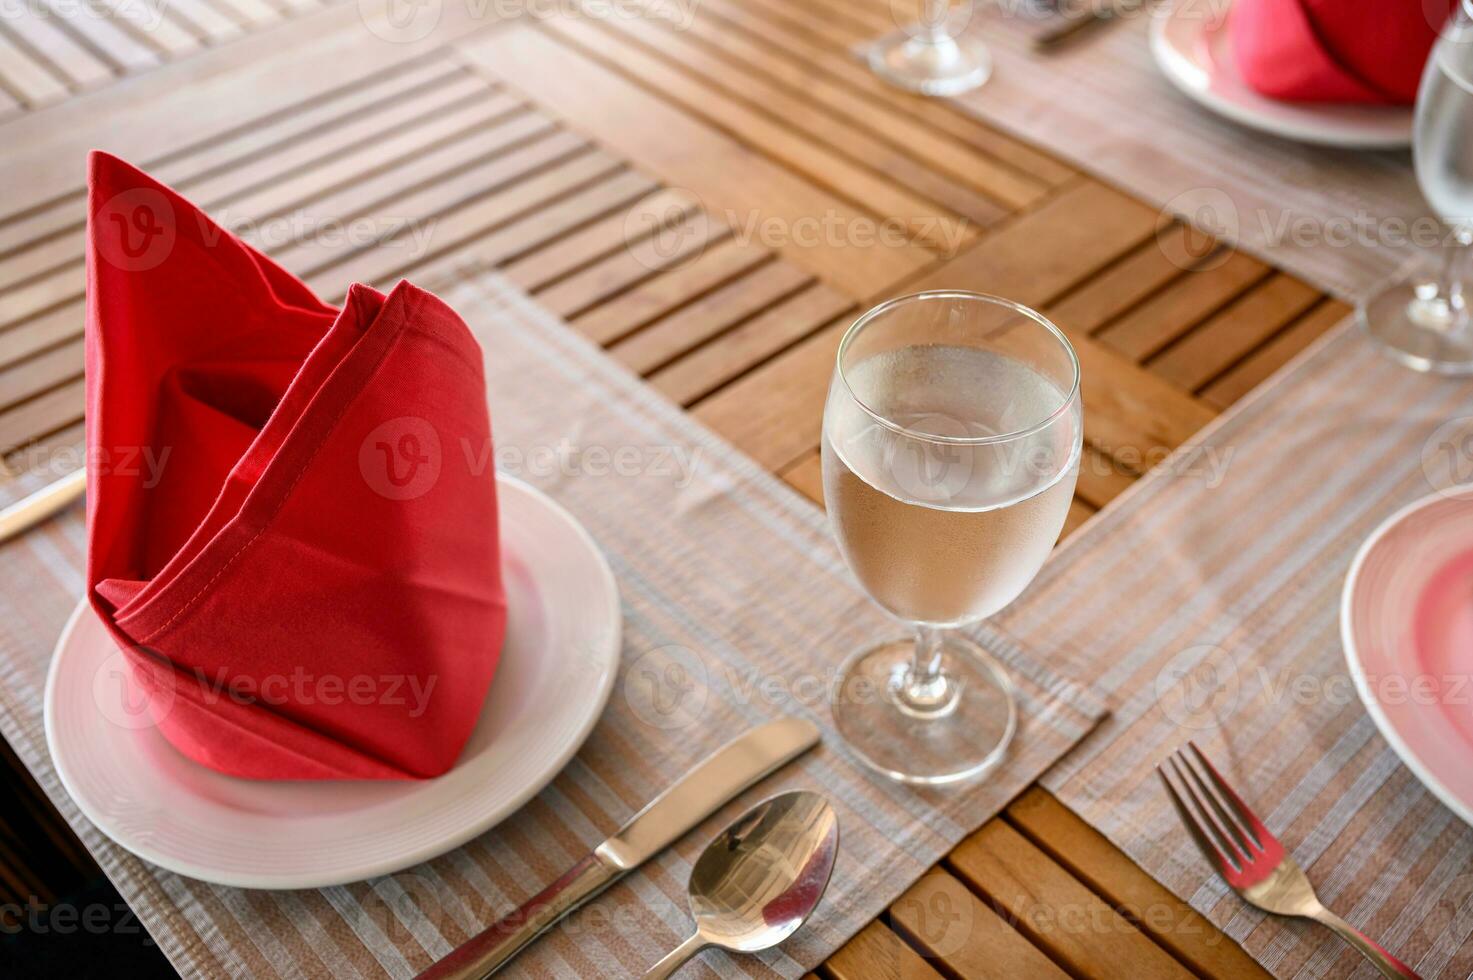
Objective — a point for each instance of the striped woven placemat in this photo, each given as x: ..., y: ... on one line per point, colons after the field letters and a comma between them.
x: 1342, y: 219
x: 1205, y: 603
x: 726, y: 575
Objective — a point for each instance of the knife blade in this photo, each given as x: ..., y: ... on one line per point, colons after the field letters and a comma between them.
x: 698, y: 794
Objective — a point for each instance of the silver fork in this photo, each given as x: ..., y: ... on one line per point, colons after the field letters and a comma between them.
x: 1249, y: 858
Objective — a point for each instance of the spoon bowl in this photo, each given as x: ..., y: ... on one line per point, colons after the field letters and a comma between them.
x: 760, y: 879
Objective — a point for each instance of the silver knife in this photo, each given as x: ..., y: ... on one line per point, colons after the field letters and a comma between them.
x: 698, y: 794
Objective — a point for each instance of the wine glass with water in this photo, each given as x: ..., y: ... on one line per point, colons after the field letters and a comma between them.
x: 1424, y: 323
x: 951, y: 442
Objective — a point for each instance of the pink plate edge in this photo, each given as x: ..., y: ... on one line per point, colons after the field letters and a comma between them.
x: 1463, y: 808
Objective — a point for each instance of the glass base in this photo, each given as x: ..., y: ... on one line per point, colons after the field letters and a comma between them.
x: 945, y: 66
x: 1419, y: 328
x: 958, y: 729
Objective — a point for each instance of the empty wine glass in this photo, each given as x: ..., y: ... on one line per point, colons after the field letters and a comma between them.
x: 926, y: 57
x: 951, y: 442
x: 1424, y: 323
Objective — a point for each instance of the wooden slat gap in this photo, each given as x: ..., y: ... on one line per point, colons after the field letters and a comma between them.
x: 64, y: 26
x: 38, y: 55
x: 828, y: 325
x: 1313, y: 309
x: 79, y: 195
x: 124, y: 25
x: 413, y: 185
x: 336, y: 152
x: 1002, y: 911
x: 1201, y: 317
x: 667, y: 221
x: 778, y: 31
x: 1080, y: 180
x: 500, y: 187
x: 592, y: 219
x: 863, y: 127
x: 454, y: 72
x: 747, y: 318
x: 815, y: 176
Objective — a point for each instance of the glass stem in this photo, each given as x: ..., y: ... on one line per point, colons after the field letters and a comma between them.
x: 926, y: 689
x: 933, y: 18
x: 1441, y: 305
x: 1449, y: 283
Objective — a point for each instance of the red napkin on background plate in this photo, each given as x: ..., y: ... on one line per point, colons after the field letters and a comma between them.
x: 305, y: 577
x: 1336, y: 50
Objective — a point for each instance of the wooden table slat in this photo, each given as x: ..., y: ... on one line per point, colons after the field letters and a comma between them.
x: 950, y: 925
x: 873, y: 135
x: 1213, y: 347
x: 878, y: 954
x: 459, y: 218
x: 769, y: 22
x: 713, y: 267
x: 1243, y: 377
x: 1090, y: 857
x: 31, y: 81
x: 636, y: 50
x: 685, y: 153
x: 1186, y: 302
x: 208, y: 22
x: 1055, y: 911
x: 898, y: 125
x: 680, y: 247
x: 124, y: 51
x: 753, y: 342
x: 79, y: 67
x: 653, y: 213
x: 702, y: 319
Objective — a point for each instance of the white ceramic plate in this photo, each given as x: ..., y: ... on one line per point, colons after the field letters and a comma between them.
x: 1194, y: 50
x: 1407, y: 624
x: 557, y: 668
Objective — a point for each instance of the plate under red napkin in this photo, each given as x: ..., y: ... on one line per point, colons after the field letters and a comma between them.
x: 291, y: 512
x: 1336, y: 50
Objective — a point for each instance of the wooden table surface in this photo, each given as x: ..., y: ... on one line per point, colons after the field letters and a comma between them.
x: 712, y: 202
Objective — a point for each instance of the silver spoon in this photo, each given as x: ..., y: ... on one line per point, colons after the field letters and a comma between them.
x: 760, y: 879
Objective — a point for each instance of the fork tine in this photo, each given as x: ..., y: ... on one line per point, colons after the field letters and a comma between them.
x: 1227, y: 842
x: 1209, y: 850
x: 1250, y: 822
x: 1235, y: 829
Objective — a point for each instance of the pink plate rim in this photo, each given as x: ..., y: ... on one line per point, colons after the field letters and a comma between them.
x: 1441, y: 780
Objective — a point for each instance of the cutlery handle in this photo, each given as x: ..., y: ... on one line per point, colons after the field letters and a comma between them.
x: 1389, y: 965
x: 676, y: 958
x: 29, y: 511
x: 483, y: 954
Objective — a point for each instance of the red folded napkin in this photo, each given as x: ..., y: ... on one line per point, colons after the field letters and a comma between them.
x: 288, y: 537
x: 1336, y: 50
